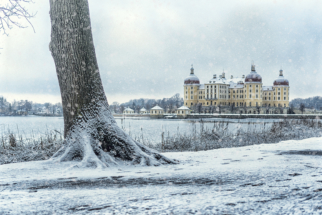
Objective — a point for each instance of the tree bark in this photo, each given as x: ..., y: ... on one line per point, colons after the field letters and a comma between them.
x: 91, y: 133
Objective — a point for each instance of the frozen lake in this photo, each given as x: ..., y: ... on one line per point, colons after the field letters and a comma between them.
x: 151, y: 129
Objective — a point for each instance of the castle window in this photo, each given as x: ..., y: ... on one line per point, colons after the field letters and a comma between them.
x: 256, y: 96
x: 279, y: 98
x: 191, y: 87
x: 256, y: 85
x: 191, y: 97
x: 250, y: 96
x: 284, y: 98
x: 256, y: 91
x: 279, y: 93
x: 250, y: 91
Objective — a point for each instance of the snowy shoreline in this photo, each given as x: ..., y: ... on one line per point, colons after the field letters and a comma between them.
x: 281, y: 178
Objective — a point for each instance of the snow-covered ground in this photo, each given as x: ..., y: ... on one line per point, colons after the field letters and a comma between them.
x: 282, y: 178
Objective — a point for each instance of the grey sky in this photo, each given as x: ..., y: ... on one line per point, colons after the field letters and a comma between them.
x: 145, y: 48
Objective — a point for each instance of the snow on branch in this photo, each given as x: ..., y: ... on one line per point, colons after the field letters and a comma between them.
x: 11, y: 14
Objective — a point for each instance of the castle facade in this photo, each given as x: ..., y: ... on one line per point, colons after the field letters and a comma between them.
x: 236, y: 91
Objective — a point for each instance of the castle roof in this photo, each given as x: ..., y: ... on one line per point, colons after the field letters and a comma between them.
x: 253, y: 76
x: 267, y: 88
x: 192, y: 78
x: 281, y: 81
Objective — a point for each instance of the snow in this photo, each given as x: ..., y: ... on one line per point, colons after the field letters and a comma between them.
x: 183, y: 108
x: 257, y: 179
x: 157, y: 107
x: 267, y: 88
x: 128, y: 109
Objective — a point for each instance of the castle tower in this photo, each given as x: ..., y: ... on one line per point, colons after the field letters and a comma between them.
x: 190, y: 89
x: 253, y: 88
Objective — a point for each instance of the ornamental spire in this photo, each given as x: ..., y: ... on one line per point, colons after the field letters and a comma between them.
x: 192, y: 70
x: 253, y: 67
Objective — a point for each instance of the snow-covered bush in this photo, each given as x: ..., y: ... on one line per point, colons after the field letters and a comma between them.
x: 16, y: 148
x: 220, y: 137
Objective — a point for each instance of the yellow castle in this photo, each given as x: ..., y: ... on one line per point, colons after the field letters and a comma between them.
x: 234, y: 91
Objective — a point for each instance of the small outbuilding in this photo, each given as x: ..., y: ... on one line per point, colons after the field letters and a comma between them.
x: 143, y: 111
x: 156, y: 111
x: 183, y: 111
x: 128, y: 111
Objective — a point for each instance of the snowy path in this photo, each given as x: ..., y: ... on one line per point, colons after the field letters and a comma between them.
x: 269, y: 178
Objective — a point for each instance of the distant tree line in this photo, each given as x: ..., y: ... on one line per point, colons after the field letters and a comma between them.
x: 311, y: 103
x: 26, y: 107
x: 168, y: 104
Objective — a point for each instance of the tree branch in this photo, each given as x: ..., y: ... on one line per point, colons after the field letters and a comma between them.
x: 11, y: 14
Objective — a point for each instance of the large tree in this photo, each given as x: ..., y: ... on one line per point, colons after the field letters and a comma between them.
x: 91, y: 133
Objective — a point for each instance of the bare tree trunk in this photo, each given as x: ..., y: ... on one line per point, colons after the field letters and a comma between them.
x: 91, y: 133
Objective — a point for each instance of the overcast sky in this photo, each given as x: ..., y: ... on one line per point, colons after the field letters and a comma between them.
x: 145, y: 48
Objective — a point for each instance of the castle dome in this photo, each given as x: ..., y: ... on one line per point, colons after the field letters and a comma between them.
x: 192, y: 78
x: 253, y: 77
x: 281, y: 81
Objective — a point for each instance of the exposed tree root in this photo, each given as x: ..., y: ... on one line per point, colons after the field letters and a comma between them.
x: 98, y: 142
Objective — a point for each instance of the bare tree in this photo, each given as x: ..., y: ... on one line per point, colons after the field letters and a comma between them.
x: 11, y: 13
x: 122, y: 108
x: 232, y: 107
x: 291, y: 109
x: 258, y: 109
x: 302, y: 107
x: 91, y: 132
x: 219, y: 109
x: 199, y: 107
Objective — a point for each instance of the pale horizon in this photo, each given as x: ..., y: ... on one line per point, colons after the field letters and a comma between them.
x: 144, y: 49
